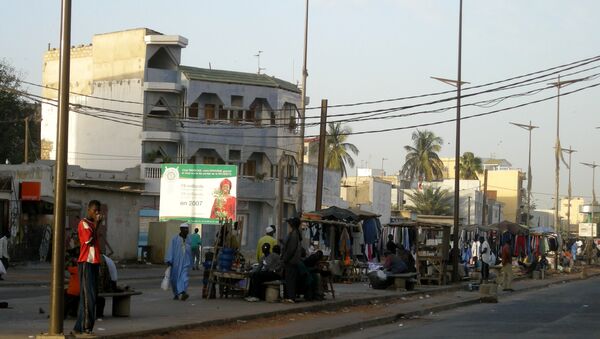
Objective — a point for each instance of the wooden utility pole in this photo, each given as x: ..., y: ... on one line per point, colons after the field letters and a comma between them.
x: 484, y: 207
x: 321, y: 165
x: 300, y: 189
x: 26, y: 155
x: 280, y: 189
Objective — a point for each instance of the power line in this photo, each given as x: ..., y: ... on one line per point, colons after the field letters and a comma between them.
x: 555, y: 68
x: 368, y: 131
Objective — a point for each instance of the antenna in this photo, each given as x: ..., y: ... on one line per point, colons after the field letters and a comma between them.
x: 258, y: 57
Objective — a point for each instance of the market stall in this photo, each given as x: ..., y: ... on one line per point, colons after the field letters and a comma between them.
x: 429, y: 243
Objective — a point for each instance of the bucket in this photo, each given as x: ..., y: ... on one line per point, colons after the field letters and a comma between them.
x: 226, y: 259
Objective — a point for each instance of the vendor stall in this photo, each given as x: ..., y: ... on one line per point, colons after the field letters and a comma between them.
x: 429, y: 243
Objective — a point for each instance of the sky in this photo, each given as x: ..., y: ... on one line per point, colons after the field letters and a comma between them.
x: 365, y: 50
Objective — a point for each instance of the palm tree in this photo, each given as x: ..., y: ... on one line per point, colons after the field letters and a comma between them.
x: 422, y: 160
x: 337, y: 150
x: 431, y: 201
x: 470, y: 166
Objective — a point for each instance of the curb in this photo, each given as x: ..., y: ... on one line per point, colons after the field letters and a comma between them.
x: 328, y: 306
x: 335, y: 332
x: 47, y: 283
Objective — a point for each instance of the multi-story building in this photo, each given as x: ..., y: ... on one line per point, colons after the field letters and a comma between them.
x: 136, y: 105
x: 504, y: 182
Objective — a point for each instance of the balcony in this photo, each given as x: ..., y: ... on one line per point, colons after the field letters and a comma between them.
x: 161, y: 136
x: 249, y: 188
x: 161, y: 75
x: 167, y: 87
x: 150, y: 173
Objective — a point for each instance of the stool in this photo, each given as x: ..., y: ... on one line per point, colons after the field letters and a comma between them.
x: 272, y: 292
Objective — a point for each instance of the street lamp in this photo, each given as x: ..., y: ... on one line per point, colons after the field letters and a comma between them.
x: 529, y: 127
x: 593, y: 167
x: 382, y: 160
x: 569, y: 151
x: 458, y: 84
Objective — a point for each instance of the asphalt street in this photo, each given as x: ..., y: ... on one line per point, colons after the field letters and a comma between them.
x: 562, y: 311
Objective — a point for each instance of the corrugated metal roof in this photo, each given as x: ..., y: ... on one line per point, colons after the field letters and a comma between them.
x: 231, y: 77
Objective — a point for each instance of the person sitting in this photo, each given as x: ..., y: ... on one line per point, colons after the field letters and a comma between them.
x: 269, y: 269
x: 391, y: 246
x: 107, y: 283
x: 313, y: 288
x: 383, y: 278
x: 407, y: 257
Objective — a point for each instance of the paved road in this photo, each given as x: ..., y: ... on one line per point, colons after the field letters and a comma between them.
x: 564, y: 311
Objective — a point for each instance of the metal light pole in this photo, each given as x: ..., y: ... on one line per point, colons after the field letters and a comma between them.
x: 593, y: 167
x: 60, y: 183
x: 382, y: 160
x: 458, y: 84
x: 300, y: 190
x: 529, y: 127
x: 569, y: 151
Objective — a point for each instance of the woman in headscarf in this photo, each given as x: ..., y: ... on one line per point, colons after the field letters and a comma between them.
x: 224, y: 204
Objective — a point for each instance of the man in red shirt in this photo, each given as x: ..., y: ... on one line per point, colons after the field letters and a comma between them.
x: 507, y: 273
x: 88, y: 266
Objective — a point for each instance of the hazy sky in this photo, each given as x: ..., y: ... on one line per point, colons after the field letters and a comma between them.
x: 363, y: 50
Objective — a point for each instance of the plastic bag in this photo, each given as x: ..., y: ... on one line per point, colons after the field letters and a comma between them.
x: 166, y: 282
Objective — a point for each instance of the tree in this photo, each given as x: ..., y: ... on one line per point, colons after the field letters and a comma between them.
x: 13, y: 111
x: 431, y: 201
x: 470, y: 166
x: 422, y: 160
x: 337, y: 150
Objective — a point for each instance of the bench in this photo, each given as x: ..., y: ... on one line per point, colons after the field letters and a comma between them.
x: 121, y: 304
x: 400, y: 280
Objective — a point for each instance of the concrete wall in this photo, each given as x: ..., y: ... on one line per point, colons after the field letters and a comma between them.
x: 331, y: 188
x: 369, y: 194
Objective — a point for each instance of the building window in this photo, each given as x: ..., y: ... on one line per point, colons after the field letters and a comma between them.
x: 274, y: 171
x: 193, y: 111
x: 272, y: 118
x: 250, y: 116
x: 210, y: 160
x: 249, y: 168
x: 237, y: 101
x: 235, y: 155
x: 209, y: 111
x: 222, y: 113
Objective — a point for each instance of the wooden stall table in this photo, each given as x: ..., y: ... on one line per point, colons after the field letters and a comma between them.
x: 229, y: 283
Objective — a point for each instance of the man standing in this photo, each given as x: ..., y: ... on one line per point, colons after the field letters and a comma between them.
x: 88, y: 266
x: 266, y: 239
x: 507, y: 273
x: 487, y: 258
x: 4, y: 252
x: 291, y: 258
x: 179, y: 258
x: 196, y: 242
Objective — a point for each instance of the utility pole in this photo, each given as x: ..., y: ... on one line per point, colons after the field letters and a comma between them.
x: 484, y: 209
x: 26, y: 155
x: 382, y: 160
x: 593, y: 167
x: 60, y: 175
x: 300, y: 189
x: 280, y: 189
x: 321, y: 165
x: 569, y: 151
x: 529, y: 128
x: 469, y: 212
x: 558, y: 84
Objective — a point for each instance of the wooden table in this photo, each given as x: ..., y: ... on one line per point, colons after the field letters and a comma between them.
x: 229, y: 283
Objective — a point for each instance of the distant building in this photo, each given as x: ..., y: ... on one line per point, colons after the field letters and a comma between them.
x: 504, y: 180
x: 368, y: 193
